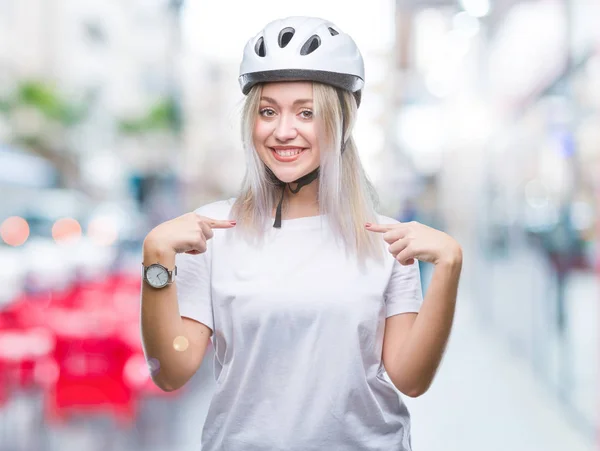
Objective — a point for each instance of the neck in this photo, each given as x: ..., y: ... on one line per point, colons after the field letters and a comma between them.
x: 303, y: 203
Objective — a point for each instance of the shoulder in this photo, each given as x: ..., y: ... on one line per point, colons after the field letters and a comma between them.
x: 219, y: 209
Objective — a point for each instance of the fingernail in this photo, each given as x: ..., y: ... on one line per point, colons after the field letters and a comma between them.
x: 368, y: 224
x: 233, y: 222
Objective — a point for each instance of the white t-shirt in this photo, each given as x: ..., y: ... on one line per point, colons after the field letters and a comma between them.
x: 298, y: 334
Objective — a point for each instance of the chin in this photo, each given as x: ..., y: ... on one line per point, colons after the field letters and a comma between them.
x: 288, y: 176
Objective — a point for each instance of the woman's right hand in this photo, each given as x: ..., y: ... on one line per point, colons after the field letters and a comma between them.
x: 185, y: 234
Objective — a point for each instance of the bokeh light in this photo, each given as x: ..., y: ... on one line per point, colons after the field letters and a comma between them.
x: 180, y: 343
x: 153, y: 366
x: 66, y: 230
x: 102, y: 231
x: 46, y: 372
x: 136, y: 371
x: 14, y: 231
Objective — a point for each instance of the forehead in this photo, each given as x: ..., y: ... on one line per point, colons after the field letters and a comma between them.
x: 288, y: 91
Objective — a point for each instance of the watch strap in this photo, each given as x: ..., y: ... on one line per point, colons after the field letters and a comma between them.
x: 172, y: 274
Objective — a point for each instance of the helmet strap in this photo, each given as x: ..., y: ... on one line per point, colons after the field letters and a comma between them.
x: 302, y: 181
x: 343, y: 106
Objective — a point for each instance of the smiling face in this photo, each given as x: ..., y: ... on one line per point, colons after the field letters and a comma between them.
x: 285, y: 134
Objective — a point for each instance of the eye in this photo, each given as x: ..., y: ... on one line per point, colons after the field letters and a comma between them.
x: 267, y: 112
x: 306, y: 114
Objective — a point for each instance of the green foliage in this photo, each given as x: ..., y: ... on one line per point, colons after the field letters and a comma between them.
x: 161, y: 117
x: 30, y: 142
x: 45, y: 99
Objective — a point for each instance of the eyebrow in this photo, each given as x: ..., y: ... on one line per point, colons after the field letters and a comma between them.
x: 296, y: 102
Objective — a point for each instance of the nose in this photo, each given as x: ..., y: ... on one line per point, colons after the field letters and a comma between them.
x: 285, y: 130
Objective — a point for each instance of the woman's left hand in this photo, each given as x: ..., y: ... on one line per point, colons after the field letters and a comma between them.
x: 413, y: 240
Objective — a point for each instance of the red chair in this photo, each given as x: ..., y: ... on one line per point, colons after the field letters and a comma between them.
x: 82, y: 346
x: 91, y: 359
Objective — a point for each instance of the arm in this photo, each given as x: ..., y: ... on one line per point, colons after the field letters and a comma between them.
x: 182, y: 239
x: 414, y: 344
x: 161, y: 323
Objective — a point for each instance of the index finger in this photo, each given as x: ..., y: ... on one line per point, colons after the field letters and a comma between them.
x: 380, y: 228
x: 217, y: 223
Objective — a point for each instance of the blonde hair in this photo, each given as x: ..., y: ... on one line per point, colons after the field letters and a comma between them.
x: 345, y: 193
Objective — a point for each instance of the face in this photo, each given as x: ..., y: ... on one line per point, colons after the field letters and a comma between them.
x: 285, y: 135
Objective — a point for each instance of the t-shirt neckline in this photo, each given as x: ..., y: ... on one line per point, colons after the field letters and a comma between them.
x: 305, y: 222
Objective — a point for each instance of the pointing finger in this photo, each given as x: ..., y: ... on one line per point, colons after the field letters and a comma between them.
x: 379, y: 228
x: 217, y: 223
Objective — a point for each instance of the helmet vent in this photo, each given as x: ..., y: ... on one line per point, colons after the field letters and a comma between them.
x: 285, y: 36
x: 311, y: 45
x: 259, y: 48
x: 332, y: 31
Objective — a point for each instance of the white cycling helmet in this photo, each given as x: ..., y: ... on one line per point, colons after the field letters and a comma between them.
x: 303, y: 48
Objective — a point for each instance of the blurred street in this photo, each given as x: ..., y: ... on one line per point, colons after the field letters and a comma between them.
x: 480, y: 118
x: 485, y: 398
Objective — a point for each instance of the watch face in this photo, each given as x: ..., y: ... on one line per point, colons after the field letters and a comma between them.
x: 157, y: 276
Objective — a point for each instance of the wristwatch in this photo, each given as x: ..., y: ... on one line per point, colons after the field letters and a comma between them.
x: 157, y: 276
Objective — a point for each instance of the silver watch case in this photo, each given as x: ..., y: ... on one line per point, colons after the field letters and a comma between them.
x: 170, y: 275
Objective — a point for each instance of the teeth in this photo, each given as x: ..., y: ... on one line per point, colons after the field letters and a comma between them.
x: 288, y: 153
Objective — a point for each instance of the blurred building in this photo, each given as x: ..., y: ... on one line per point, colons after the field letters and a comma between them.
x: 118, y: 59
x: 213, y: 164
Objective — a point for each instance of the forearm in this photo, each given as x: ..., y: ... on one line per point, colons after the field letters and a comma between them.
x: 161, y: 323
x: 421, y: 353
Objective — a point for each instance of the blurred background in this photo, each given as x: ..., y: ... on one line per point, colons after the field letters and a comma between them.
x: 480, y: 118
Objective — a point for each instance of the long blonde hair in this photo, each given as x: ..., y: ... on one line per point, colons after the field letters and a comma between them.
x: 345, y: 193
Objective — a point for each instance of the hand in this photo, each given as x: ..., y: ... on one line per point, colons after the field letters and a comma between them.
x: 185, y: 234
x: 412, y: 240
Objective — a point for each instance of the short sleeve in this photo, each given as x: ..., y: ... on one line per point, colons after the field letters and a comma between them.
x: 403, y: 293
x: 193, y: 284
x: 193, y: 287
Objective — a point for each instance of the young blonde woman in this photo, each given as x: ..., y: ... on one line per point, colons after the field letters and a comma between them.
x: 311, y: 298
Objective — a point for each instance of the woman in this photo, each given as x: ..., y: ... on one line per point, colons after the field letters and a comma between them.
x: 312, y: 299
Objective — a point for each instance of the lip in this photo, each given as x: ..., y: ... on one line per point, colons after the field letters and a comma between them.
x: 286, y: 159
